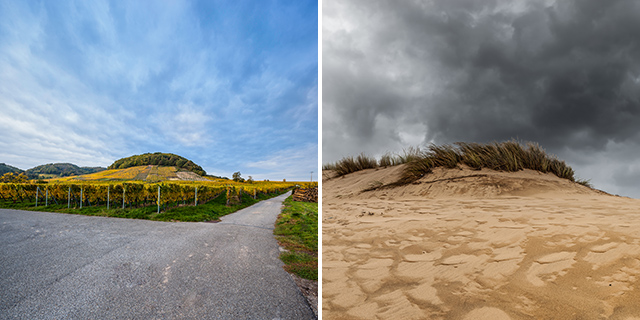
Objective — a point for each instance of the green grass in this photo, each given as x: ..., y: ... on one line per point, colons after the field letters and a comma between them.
x: 209, y: 211
x: 297, y: 231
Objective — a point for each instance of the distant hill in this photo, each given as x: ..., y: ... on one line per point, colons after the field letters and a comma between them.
x: 5, y: 168
x: 53, y: 170
x: 148, y: 173
x: 158, y: 159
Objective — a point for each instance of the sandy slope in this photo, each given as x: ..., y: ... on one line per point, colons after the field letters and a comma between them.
x: 464, y: 244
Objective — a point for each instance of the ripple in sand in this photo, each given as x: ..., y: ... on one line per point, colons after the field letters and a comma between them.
x: 364, y: 311
x: 397, y: 306
x: 508, y: 253
x: 555, y: 257
x: 459, y: 259
x: 549, y: 267
x: 487, y: 313
x: 604, y: 247
x: 601, y: 258
x: 427, y: 256
x: 425, y: 293
x: 351, y: 296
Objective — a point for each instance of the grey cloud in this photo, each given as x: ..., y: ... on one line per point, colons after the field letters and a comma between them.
x: 565, y: 74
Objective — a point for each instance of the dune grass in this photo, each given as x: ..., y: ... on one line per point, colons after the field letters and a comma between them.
x: 507, y: 156
x: 407, y: 155
x: 350, y: 164
x: 297, y: 231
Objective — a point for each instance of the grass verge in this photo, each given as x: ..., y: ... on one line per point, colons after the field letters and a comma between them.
x: 209, y: 211
x: 297, y: 231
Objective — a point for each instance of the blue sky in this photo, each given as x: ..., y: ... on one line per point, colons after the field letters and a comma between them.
x: 230, y: 85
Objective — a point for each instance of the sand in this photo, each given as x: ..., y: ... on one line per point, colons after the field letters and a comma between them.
x: 464, y: 244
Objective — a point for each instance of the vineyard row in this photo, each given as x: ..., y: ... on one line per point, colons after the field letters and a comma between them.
x: 165, y: 195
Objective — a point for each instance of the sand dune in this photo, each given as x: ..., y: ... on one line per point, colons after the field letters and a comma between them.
x: 465, y: 244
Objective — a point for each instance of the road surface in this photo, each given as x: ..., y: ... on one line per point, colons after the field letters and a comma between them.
x: 62, y: 266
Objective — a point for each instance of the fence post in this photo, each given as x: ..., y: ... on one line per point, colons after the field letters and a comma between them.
x: 108, y: 200
x: 196, y: 196
x: 47, y: 198
x: 123, y: 189
x: 69, y: 198
x: 158, y: 199
x: 37, y: 192
x: 81, y: 196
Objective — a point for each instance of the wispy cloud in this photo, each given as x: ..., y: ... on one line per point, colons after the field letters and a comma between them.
x: 187, y: 125
x: 221, y: 84
x: 300, y: 162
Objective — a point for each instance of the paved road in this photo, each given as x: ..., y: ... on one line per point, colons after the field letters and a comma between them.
x: 60, y: 266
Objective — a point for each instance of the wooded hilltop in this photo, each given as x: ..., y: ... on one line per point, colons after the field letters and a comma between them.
x: 160, y: 159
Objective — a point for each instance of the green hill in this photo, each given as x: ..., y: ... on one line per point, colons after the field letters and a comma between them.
x: 52, y: 170
x: 5, y: 168
x: 158, y: 159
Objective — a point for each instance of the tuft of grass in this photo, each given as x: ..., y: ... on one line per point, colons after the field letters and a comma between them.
x: 585, y: 182
x: 407, y: 155
x: 443, y: 156
x: 297, y: 231
x: 387, y: 160
x: 329, y: 166
x: 416, y: 169
x: 350, y: 164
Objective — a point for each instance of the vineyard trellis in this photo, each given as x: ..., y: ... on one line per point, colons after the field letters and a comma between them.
x: 132, y: 194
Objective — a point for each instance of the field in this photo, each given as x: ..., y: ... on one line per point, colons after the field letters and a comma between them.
x: 149, y: 173
x: 167, y: 201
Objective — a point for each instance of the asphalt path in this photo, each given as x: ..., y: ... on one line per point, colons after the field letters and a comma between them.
x: 63, y: 266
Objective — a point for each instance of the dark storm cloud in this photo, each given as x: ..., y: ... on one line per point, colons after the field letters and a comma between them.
x: 581, y: 77
x: 565, y: 74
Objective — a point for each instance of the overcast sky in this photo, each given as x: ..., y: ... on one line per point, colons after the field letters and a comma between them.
x: 231, y: 85
x: 565, y: 74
